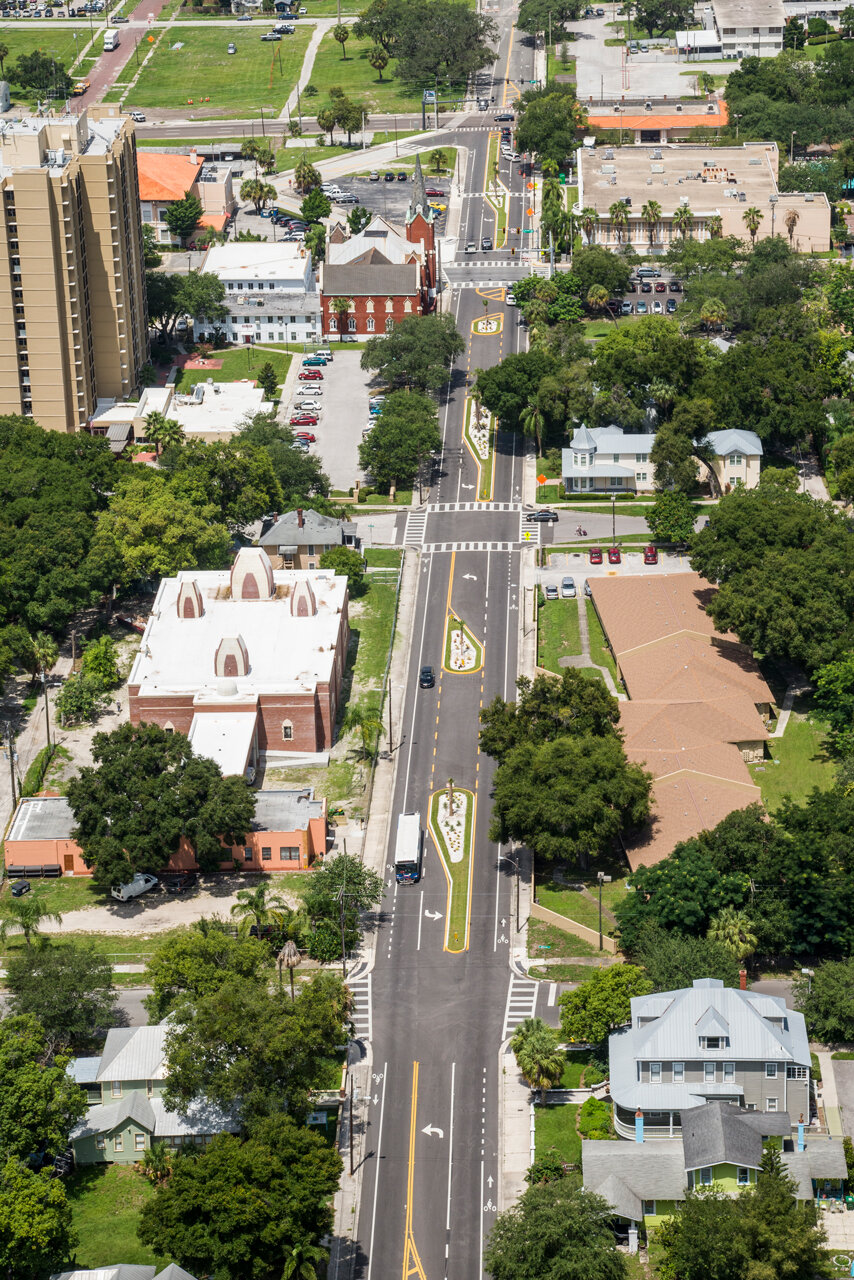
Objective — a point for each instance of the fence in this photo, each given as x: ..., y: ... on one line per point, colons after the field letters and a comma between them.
x: 572, y: 926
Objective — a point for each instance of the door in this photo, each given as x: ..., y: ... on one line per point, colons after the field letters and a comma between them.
x: 68, y: 862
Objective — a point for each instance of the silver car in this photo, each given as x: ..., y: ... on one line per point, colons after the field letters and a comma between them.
x: 567, y: 589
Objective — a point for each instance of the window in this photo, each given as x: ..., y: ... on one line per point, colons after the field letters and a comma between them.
x: 288, y: 853
x: 333, y: 324
x: 796, y: 1073
x: 640, y: 457
x: 655, y: 1073
x: 230, y: 285
x: 101, y: 1144
x: 713, y: 1042
x: 770, y: 1070
x: 729, y: 1072
x: 351, y: 324
x: 369, y: 324
x: 266, y: 854
x: 139, y: 1142
x: 743, y: 1176
x: 709, y: 1072
x: 705, y: 1177
x: 118, y: 1142
x: 649, y: 1208
x: 247, y: 853
x: 115, y: 1088
x: 640, y: 475
x: 281, y: 335
x: 735, y: 459
x: 250, y: 286
x: 149, y: 1088
x: 770, y: 1104
x: 287, y: 731
x: 389, y: 325
x: 678, y: 1072
x: 311, y: 548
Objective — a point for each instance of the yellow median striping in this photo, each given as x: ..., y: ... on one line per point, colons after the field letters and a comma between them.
x: 411, y: 1261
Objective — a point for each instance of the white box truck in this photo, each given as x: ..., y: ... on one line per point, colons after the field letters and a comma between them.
x: 111, y: 41
x: 408, y: 848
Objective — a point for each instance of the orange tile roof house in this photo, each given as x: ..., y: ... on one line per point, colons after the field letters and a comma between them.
x: 165, y: 178
x: 697, y: 705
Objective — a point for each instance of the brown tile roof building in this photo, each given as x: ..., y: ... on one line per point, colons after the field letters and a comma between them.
x: 697, y: 701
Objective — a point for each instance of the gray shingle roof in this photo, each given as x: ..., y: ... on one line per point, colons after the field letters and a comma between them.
x: 315, y: 528
x: 630, y: 1172
x: 379, y: 281
x: 721, y: 1133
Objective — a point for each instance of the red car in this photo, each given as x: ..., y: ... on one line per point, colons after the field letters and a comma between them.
x: 595, y: 555
x: 661, y: 287
x: 311, y: 375
x: 308, y: 436
x: 613, y: 555
x: 304, y: 420
x: 433, y: 191
x: 650, y: 555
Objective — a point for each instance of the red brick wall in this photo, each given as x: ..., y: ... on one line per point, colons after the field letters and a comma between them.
x: 379, y: 313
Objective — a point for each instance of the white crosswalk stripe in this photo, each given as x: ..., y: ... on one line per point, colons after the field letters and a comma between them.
x: 414, y: 533
x: 521, y: 1003
x: 474, y: 506
x: 362, y: 1012
x: 439, y: 547
x: 529, y: 530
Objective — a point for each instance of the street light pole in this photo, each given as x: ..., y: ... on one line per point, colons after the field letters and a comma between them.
x: 613, y: 519
x: 602, y: 879
x: 792, y: 147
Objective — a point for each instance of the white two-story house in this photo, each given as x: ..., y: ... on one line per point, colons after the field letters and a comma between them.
x: 610, y: 460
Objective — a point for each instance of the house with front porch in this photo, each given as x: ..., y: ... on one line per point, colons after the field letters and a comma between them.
x: 127, y: 1113
x: 610, y: 460
x: 683, y: 1049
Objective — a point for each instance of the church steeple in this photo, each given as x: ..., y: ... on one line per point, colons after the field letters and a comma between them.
x: 418, y: 202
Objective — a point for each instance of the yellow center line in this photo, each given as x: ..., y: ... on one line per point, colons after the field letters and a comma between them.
x: 411, y: 1261
x: 507, y: 68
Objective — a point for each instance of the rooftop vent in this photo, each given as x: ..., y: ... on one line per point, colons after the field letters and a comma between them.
x: 678, y: 106
x: 647, y: 106
x: 609, y: 154
x: 809, y: 196
x: 711, y: 109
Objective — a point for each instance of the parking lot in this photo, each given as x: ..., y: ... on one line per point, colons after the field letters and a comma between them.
x: 391, y: 199
x: 652, y: 295
x: 343, y: 416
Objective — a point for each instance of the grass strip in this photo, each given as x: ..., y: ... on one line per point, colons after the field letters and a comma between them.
x: 554, y: 1130
x: 458, y: 874
x: 450, y: 628
x: 600, y: 654
x: 558, y: 633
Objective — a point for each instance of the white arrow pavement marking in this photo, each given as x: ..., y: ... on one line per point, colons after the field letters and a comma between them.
x: 433, y: 915
x: 466, y: 486
x: 503, y: 922
x: 376, y: 1100
x: 430, y: 1129
x: 489, y: 1182
x: 471, y: 576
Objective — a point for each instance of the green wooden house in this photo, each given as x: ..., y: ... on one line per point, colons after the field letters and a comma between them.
x: 127, y: 1113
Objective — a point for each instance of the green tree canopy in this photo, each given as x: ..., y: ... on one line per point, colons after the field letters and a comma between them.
x: 36, y: 1235
x: 126, y: 827
x: 41, y: 75
x: 233, y: 477
x: 183, y: 216
x: 827, y: 1001
x: 237, y: 1208
x: 417, y: 353
x: 671, y: 518
x: 508, y: 387
x: 39, y: 1102
x: 673, y: 960
x: 550, y: 123
x: 69, y: 990
x: 546, y: 709
x: 603, y: 1003
x: 348, y: 563
x: 555, y: 1231
x: 405, y: 436
x: 197, y: 963
x: 299, y: 474
x: 538, y: 16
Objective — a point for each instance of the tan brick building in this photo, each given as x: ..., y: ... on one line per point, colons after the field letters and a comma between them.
x: 73, y: 314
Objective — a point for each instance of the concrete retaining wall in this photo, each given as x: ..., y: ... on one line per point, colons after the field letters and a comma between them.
x: 572, y: 926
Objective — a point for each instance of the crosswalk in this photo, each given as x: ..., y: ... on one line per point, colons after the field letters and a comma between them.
x: 413, y: 535
x: 521, y: 1003
x: 362, y: 1015
x: 473, y: 506
x: 440, y: 547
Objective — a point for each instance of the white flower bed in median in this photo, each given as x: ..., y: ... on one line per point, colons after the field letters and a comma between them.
x: 463, y: 653
x: 480, y: 433
x: 452, y: 826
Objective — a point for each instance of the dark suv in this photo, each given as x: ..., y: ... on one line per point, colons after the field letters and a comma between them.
x: 426, y: 678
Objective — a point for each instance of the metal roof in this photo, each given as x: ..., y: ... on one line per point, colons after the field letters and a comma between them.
x: 83, y: 1070
x: 735, y: 440
x: 134, y: 1053
x: 125, y: 1271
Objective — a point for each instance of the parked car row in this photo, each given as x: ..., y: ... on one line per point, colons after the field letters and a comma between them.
x: 307, y: 405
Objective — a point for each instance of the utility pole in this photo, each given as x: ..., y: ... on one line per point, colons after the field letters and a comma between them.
x: 10, y: 746
x: 352, y: 1167
x: 603, y: 879
x: 46, y: 709
x: 390, y: 730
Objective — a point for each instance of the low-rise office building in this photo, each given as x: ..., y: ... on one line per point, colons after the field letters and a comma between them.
x: 209, y: 411
x: 754, y: 30
x: 658, y: 121
x: 702, y: 191
x: 270, y: 292
x: 165, y: 178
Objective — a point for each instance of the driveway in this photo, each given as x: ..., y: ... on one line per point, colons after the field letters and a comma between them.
x: 604, y: 75
x: 154, y: 912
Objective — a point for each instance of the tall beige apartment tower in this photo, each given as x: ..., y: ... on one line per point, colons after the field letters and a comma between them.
x: 73, y: 315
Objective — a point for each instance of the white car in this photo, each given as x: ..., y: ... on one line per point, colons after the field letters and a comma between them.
x: 140, y: 883
x: 308, y: 406
x: 510, y: 299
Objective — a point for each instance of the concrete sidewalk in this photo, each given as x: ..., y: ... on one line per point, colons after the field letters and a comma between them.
x: 827, y: 1096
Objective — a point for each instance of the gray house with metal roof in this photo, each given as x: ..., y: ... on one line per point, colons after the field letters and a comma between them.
x: 125, y: 1087
x: 685, y: 1048
x: 126, y: 1271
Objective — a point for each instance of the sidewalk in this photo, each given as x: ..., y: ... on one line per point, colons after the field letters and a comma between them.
x: 827, y: 1095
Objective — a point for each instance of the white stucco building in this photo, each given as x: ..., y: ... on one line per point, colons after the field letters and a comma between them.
x: 270, y: 292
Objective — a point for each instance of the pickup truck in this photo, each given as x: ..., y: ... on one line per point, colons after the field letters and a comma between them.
x: 141, y: 883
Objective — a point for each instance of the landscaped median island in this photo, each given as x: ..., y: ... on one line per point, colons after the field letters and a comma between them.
x: 451, y: 823
x: 479, y: 436
x: 463, y: 654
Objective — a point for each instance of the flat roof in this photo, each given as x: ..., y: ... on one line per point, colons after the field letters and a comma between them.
x: 286, y: 810
x: 223, y: 406
x: 754, y: 13
x: 287, y: 653
x: 257, y: 261
x: 704, y: 177
x: 42, y: 818
x: 225, y: 739
x: 664, y: 115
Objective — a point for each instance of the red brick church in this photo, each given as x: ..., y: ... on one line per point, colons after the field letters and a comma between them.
x: 385, y: 272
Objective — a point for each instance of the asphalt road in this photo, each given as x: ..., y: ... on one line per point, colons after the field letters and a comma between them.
x: 427, y: 1200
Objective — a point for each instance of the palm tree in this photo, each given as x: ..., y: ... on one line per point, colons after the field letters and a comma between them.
x: 597, y: 298
x: 683, y: 220
x: 161, y: 430
x: 261, y: 904
x: 791, y: 220
x: 550, y: 167
x: 531, y: 422
x: 156, y: 1164
x: 378, y: 59
x: 733, y: 929
x: 538, y: 1058
x: 367, y: 720
x: 651, y: 214
x: 437, y: 160
x: 341, y: 33
x: 716, y: 226
x: 45, y: 652
x: 340, y: 308
x: 288, y: 958
x: 302, y: 1261
x: 587, y: 220
x: 619, y: 218
x: 752, y: 218
x: 713, y: 313
x: 4, y: 53
x: 305, y: 175
x: 24, y: 915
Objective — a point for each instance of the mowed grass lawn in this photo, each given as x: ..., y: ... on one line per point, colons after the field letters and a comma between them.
x: 358, y: 79
x: 105, y: 1204
x: 554, y: 1130
x: 577, y: 906
x: 798, y: 761
x: 258, y: 75
x: 236, y: 366
x: 558, y: 633
x: 56, y: 42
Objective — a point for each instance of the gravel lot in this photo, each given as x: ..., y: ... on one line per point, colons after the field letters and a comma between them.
x: 154, y: 912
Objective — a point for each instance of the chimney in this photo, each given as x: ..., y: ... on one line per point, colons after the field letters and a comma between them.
x: 802, y: 1146
x: 742, y: 979
x: 638, y: 1125
x: 300, y: 521
x: 194, y: 159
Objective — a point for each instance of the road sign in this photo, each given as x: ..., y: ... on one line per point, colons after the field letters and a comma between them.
x: 530, y: 213
x: 541, y: 479
x: 529, y: 231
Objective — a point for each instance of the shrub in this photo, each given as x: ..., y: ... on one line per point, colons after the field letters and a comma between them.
x: 594, y: 1119
x: 34, y: 777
